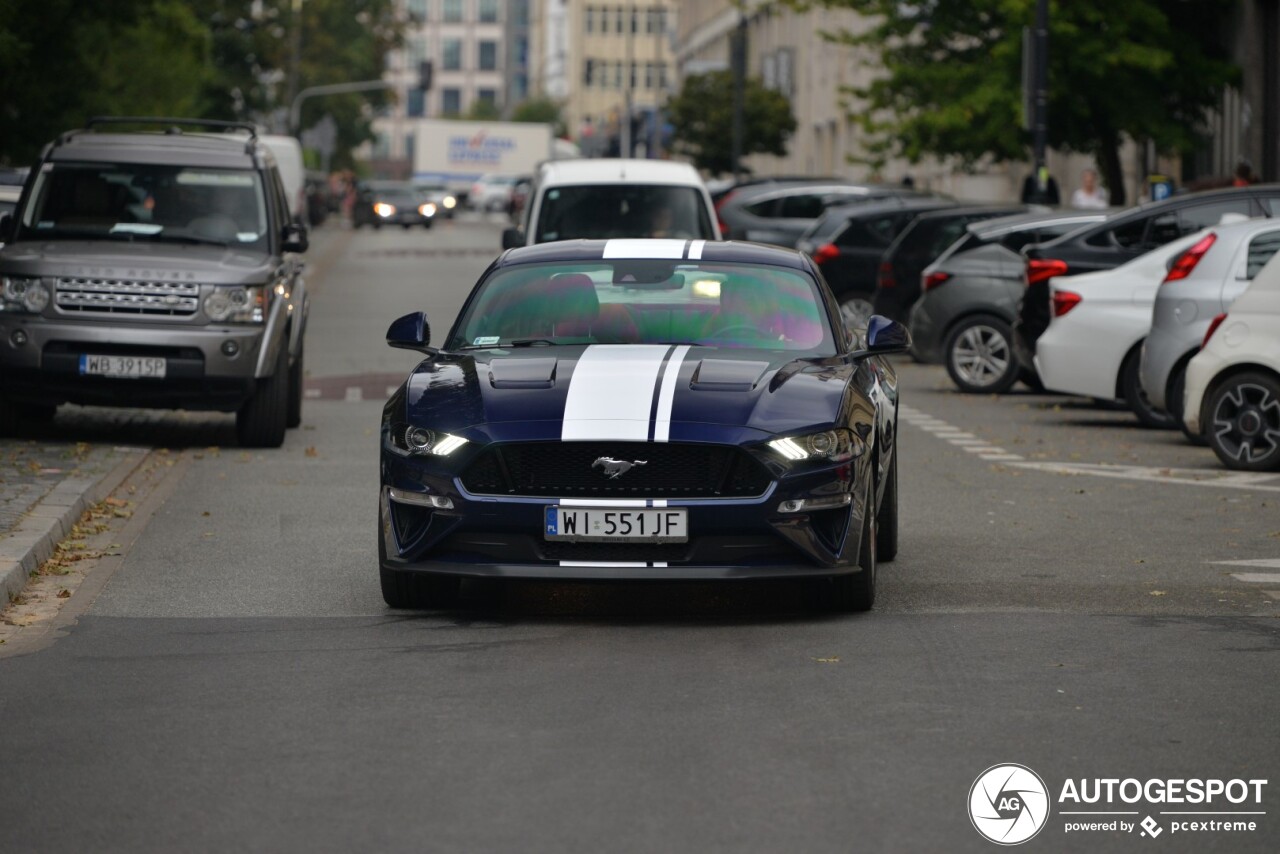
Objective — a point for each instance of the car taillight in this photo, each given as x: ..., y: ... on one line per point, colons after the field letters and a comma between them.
x: 1043, y: 269
x: 931, y: 280
x: 1213, y: 327
x: 826, y: 252
x: 1064, y: 301
x: 885, y: 278
x: 724, y: 229
x: 1188, y: 260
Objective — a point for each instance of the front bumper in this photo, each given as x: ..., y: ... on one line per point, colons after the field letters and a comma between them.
x: 501, y: 536
x: 199, y: 374
x: 1200, y: 372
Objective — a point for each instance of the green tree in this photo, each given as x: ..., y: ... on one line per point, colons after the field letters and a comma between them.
x: 702, y: 118
x: 483, y: 111
x: 951, y: 76
x: 540, y: 110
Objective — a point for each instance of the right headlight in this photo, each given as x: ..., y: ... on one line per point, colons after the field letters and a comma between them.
x: 23, y: 294
x: 237, y: 305
x: 834, y: 446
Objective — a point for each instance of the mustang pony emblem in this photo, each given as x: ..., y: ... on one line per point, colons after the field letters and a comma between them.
x: 614, y: 469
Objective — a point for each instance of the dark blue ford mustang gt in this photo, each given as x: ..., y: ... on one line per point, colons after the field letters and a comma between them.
x: 656, y: 409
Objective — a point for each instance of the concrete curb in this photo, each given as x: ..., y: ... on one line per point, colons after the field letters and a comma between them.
x: 33, y: 539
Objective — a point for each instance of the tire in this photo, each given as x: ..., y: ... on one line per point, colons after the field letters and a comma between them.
x: 887, y: 517
x: 854, y: 591
x: 1177, y: 391
x: 261, y: 422
x: 412, y: 590
x: 377, y: 226
x: 1243, y: 422
x: 1136, y: 398
x: 855, y: 310
x: 979, y: 356
x: 297, y: 378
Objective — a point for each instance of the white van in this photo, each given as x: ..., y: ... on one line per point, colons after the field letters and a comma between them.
x: 293, y: 174
x: 608, y: 198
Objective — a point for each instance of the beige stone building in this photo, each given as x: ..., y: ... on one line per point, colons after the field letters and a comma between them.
x: 594, y: 56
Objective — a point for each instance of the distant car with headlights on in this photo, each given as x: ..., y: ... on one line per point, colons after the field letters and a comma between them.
x: 643, y: 409
x: 380, y: 203
x: 441, y: 196
x: 1233, y: 383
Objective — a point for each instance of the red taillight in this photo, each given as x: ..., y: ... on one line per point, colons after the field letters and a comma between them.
x: 1064, y: 301
x: 1188, y: 260
x: 826, y: 252
x: 1213, y: 327
x: 885, y: 279
x: 1043, y: 269
x: 724, y: 229
x: 931, y: 280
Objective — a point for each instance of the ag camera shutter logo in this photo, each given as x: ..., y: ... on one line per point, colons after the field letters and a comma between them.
x: 1008, y: 804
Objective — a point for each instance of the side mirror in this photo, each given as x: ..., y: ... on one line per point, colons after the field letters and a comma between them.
x: 411, y: 332
x: 6, y: 227
x: 295, y: 238
x: 884, y: 336
x: 512, y: 238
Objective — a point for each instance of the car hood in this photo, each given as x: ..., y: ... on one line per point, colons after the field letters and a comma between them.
x: 135, y: 260
x: 631, y: 392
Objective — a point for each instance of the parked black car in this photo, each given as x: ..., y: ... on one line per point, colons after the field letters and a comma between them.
x: 1123, y: 238
x: 780, y: 213
x: 898, y: 280
x: 847, y: 241
x: 964, y: 317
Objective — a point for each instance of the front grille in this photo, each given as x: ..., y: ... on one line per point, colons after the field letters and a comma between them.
x: 567, y: 469
x: 127, y: 296
x: 563, y: 550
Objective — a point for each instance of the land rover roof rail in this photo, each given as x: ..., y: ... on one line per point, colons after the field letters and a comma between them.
x: 171, y: 126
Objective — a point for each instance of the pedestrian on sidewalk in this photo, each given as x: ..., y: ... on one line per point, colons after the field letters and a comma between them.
x: 1089, y: 196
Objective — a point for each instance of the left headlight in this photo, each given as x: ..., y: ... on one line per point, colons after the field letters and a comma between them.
x: 450, y: 201
x: 834, y: 446
x: 23, y: 294
x: 412, y: 440
x: 237, y: 305
x: 429, y: 209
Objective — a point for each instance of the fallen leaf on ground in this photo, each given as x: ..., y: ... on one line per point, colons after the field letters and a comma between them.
x: 311, y: 451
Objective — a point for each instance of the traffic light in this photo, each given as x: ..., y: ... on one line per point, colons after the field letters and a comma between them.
x: 424, y: 75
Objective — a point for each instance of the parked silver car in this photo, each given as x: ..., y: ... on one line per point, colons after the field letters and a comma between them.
x: 781, y: 213
x: 970, y: 295
x: 1201, y: 283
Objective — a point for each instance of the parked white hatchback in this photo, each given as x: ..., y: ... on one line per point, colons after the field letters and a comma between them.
x: 1098, y: 323
x: 1233, y: 383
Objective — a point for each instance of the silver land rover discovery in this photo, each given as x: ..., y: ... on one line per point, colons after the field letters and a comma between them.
x: 154, y: 269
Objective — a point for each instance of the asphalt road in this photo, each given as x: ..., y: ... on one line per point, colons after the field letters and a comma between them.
x: 1064, y: 598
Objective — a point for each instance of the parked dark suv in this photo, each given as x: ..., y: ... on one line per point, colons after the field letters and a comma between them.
x: 155, y: 269
x: 1122, y: 238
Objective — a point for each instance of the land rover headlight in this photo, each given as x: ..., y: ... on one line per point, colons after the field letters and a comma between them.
x: 237, y: 305
x: 23, y: 294
x: 830, y: 445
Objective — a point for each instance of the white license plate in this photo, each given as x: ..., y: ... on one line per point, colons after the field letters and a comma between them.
x: 130, y: 367
x: 618, y: 525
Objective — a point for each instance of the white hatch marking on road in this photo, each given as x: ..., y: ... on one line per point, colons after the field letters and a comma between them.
x: 982, y: 449
x: 1274, y: 594
x: 1188, y: 477
x: 1257, y: 577
x: 967, y: 442
x: 1260, y: 563
x: 312, y: 392
x: 955, y: 436
x: 1002, y: 458
x: 354, y: 394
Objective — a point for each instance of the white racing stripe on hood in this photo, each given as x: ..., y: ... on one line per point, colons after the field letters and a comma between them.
x: 668, y: 249
x: 667, y: 395
x: 611, y: 392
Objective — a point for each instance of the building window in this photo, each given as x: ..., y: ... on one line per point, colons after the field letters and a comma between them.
x: 519, y: 87
x: 488, y: 56
x: 588, y: 72
x: 520, y: 12
x: 651, y: 21
x: 635, y: 20
x: 617, y: 75
x: 452, y: 54
x: 634, y: 75
x: 619, y: 15
x: 662, y: 76
x: 451, y: 101
x: 452, y: 11
x: 589, y: 22
x: 604, y: 19
x: 415, y: 105
x: 418, y: 10
x: 487, y: 96
x: 488, y: 11
x: 650, y: 75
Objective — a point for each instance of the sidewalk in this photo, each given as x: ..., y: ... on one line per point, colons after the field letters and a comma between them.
x: 44, y: 489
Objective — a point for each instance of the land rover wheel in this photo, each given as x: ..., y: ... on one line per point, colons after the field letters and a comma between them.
x: 262, y: 421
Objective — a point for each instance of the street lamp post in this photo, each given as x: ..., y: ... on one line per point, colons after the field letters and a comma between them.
x: 1040, y: 124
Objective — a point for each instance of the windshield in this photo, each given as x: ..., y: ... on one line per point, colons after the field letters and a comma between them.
x: 148, y: 202
x: 647, y: 302
x: 603, y: 211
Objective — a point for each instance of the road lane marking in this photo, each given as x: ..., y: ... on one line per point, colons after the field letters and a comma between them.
x: 1260, y: 563
x: 1257, y: 577
x: 354, y: 394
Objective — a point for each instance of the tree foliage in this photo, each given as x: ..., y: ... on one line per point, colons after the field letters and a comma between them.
x: 540, y: 110
x: 62, y: 61
x: 952, y: 71
x: 702, y: 118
